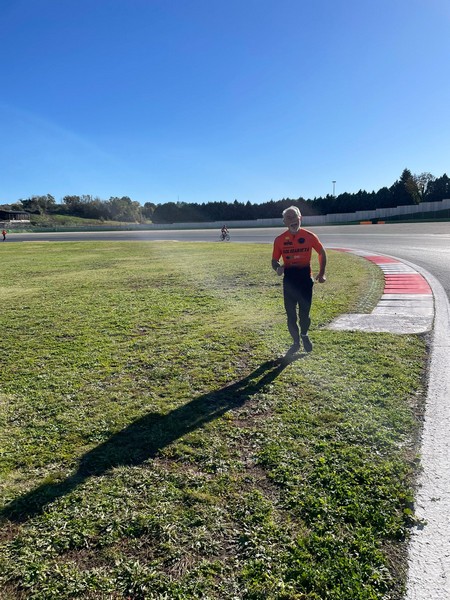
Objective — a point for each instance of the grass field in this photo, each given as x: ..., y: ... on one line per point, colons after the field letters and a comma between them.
x: 155, y: 446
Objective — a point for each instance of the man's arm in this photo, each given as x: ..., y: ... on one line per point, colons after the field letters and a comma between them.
x: 276, y: 255
x: 277, y: 267
x: 322, y: 263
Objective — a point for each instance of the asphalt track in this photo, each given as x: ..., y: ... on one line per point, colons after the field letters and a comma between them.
x: 420, y: 251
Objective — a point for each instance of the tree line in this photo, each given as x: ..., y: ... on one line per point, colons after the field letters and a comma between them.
x: 408, y: 189
x: 87, y: 207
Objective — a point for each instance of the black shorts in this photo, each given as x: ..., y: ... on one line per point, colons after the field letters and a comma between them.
x: 298, y: 283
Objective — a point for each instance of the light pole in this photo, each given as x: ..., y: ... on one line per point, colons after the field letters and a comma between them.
x: 334, y: 188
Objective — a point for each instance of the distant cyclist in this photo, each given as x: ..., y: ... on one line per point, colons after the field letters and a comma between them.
x: 224, y: 232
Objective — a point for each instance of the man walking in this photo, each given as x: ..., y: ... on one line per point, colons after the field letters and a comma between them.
x: 294, y: 247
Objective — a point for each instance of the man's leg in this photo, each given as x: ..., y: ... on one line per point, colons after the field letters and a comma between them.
x: 305, y: 301
x: 290, y: 306
x: 304, y: 308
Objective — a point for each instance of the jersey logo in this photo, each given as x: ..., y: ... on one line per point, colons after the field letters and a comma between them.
x: 301, y: 240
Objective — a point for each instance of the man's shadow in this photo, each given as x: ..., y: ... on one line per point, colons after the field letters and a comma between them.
x: 146, y: 436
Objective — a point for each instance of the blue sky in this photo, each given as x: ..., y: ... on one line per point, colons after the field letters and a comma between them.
x: 217, y: 100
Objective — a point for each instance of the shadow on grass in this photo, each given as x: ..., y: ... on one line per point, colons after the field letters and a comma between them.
x: 146, y: 436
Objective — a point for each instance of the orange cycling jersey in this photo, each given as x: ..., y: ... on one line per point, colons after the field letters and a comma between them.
x: 296, y: 248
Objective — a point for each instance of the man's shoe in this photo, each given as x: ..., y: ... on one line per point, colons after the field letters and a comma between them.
x: 293, y: 349
x: 307, y: 345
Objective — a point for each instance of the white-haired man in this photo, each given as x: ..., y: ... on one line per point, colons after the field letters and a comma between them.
x: 294, y: 247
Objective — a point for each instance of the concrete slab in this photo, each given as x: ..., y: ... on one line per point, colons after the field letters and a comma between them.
x: 383, y: 323
x: 423, y: 311
x: 396, y: 268
x: 402, y: 305
x: 406, y: 296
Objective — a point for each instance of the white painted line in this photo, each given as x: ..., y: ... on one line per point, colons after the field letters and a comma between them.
x: 429, y: 550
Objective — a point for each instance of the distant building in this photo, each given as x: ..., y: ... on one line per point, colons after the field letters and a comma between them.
x: 14, y: 215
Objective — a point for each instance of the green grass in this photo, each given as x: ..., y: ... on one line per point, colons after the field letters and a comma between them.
x: 52, y: 221
x: 153, y: 444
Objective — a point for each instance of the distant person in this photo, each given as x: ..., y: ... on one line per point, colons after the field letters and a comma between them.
x: 294, y: 247
x: 224, y: 232
x: 4, y: 235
